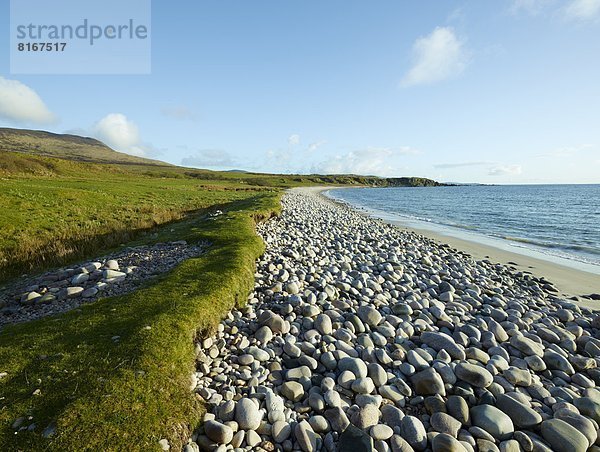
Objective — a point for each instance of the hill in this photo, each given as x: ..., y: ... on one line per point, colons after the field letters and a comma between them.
x: 35, y: 152
x: 65, y: 146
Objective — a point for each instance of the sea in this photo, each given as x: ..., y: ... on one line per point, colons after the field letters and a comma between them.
x: 554, y: 222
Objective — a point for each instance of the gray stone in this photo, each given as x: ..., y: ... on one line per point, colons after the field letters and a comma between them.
x: 474, y: 375
x: 377, y: 374
x: 281, y: 431
x: 493, y: 421
x: 458, y: 408
x: 323, y: 324
x: 306, y: 437
x: 484, y: 445
x: 219, y: 433
x: 264, y: 334
x: 319, y: 424
x: 247, y: 414
x: 526, y: 346
x: 588, y: 407
x: 113, y: 274
x: 252, y: 438
x: 73, y: 292
x: 367, y: 416
x: 355, y: 365
x: 446, y: 443
x: 509, y: 446
x: 381, y: 432
x: 89, y: 293
x: 581, y: 423
x: 428, y: 382
x: 226, y: 411
x: 522, y: 416
x: 399, y: 444
x: 556, y: 361
x: 440, y: 341
x: 292, y: 390
x: 363, y: 385
x: 369, y: 315
x: 292, y: 288
x: 444, y: 423
x: 79, y: 279
x: 258, y: 353
x: 517, y: 377
x: 414, y: 432
x: 563, y: 437
x: 246, y: 359
x: 337, y: 419
x: 392, y: 393
x: 354, y: 439
x: 391, y: 415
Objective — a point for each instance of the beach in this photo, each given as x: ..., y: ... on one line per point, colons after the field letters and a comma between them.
x: 568, y: 280
x: 362, y: 336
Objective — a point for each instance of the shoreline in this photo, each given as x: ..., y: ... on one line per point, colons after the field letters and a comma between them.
x: 359, y: 335
x: 570, y: 281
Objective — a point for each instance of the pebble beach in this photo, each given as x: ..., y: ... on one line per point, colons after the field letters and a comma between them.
x: 360, y: 336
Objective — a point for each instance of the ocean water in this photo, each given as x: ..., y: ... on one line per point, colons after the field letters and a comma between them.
x: 557, y: 220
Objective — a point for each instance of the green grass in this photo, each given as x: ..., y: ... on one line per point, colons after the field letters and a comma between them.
x: 127, y: 395
x: 48, y: 220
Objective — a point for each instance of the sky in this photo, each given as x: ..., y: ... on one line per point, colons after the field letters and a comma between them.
x: 503, y: 92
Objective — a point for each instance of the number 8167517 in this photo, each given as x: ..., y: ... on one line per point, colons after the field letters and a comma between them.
x: 41, y: 46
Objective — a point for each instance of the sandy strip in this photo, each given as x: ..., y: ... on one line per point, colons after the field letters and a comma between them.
x: 570, y: 281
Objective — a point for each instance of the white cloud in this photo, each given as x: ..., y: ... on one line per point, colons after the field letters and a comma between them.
x: 438, y: 56
x: 179, y: 112
x: 568, y: 151
x: 576, y: 10
x: 459, y: 165
x: 316, y: 145
x: 532, y: 7
x: 505, y: 170
x: 121, y: 134
x: 371, y: 161
x: 210, y: 158
x: 583, y: 9
x: 21, y: 104
x: 294, y: 139
x: 405, y: 150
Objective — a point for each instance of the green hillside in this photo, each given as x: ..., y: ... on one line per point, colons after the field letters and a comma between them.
x: 72, y: 147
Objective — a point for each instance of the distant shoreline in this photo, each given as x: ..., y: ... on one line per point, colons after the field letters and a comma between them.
x: 570, y: 281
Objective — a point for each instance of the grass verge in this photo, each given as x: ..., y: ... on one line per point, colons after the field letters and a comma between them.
x: 127, y: 394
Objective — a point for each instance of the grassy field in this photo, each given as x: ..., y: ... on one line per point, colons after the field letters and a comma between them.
x: 104, y: 394
x: 67, y: 370
x: 50, y: 221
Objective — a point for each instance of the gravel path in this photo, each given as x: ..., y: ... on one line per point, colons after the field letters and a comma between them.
x: 67, y: 288
x: 362, y: 337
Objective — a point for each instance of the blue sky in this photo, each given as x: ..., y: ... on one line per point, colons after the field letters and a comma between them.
x: 492, y: 92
